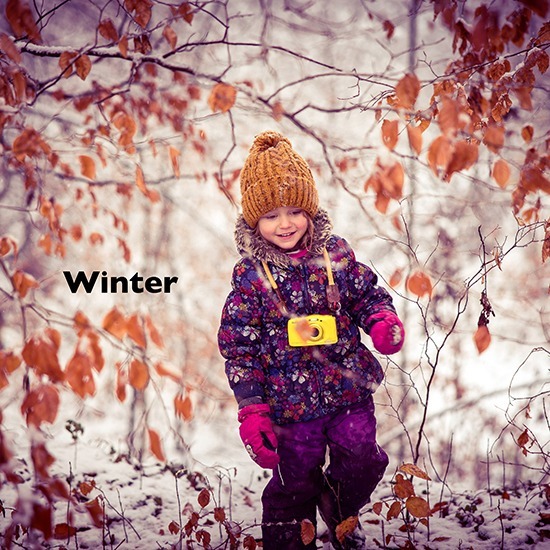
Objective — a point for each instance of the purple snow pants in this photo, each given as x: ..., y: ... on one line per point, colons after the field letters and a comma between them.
x: 301, y: 484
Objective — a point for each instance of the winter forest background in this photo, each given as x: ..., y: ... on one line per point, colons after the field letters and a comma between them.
x: 123, y: 128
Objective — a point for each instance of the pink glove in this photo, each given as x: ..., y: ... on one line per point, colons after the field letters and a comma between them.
x: 387, y: 333
x: 257, y: 434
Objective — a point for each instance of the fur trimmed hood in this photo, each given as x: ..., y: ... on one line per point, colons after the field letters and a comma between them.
x: 251, y: 245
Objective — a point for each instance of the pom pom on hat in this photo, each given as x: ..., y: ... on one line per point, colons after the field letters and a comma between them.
x: 274, y: 175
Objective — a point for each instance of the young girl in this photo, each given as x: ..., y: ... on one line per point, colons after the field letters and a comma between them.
x: 294, y: 359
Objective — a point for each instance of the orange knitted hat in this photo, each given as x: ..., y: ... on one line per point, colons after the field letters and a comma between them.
x: 274, y: 175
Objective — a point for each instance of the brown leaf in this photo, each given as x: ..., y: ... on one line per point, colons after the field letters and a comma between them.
x: 347, y: 527
x: 390, y: 133
x: 222, y: 97
x: 482, y: 338
x: 204, y: 498
x: 403, y: 488
x: 7, y: 244
x: 546, y: 243
x: 21, y: 20
x: 394, y: 510
x: 8, y: 46
x: 418, y: 507
x: 83, y: 66
x: 108, y: 30
x: 307, y: 532
x: 414, y: 470
x: 79, y: 376
x: 527, y: 133
x: 170, y: 35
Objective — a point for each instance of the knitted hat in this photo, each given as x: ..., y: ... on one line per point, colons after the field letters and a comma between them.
x: 274, y: 175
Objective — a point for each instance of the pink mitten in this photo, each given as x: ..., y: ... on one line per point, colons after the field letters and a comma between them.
x: 257, y: 434
x: 387, y: 333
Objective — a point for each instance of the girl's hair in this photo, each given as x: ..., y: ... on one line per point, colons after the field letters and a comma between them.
x: 306, y: 241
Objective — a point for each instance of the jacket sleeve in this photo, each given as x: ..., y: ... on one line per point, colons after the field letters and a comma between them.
x: 365, y: 296
x: 239, y: 335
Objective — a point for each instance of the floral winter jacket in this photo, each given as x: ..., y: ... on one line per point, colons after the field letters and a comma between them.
x: 299, y: 383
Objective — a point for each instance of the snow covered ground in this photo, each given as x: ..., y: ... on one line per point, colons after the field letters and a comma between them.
x: 213, y: 492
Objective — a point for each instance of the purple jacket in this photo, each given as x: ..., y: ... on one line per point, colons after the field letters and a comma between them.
x: 299, y: 383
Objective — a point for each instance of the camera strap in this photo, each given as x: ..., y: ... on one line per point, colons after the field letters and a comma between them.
x: 333, y: 294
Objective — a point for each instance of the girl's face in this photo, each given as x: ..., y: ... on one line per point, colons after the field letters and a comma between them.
x: 284, y: 227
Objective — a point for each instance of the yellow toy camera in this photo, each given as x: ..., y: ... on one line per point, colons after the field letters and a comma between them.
x: 312, y: 330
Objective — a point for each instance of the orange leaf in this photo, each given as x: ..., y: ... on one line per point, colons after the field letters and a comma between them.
x: 407, y: 90
x: 156, y: 445
x: 175, y: 160
x: 96, y: 511
x: 135, y: 330
x: 40, y: 354
x: 464, y: 156
x: 140, y: 180
x: 79, y: 376
x: 418, y: 507
x: 115, y: 323
x: 153, y: 332
x: 120, y: 383
x: 390, y: 133
x: 123, y: 46
x: 164, y: 371
x: 494, y: 138
x: 448, y: 116
x: 415, y: 138
x: 23, y: 282
x: 170, y: 36
x: 396, y: 277
x: 419, y: 283
x: 87, y: 167
x: 138, y: 375
x: 527, y: 133
x: 7, y: 244
x: 482, y: 338
x: 9, y: 362
x: 222, y: 97
x: 307, y: 531
x: 183, y: 406
x: 501, y: 172
x: 439, y: 153
x: 41, y: 405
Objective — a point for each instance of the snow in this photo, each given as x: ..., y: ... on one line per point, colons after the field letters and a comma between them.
x: 142, y: 500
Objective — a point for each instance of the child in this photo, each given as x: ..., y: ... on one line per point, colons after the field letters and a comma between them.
x: 294, y: 359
